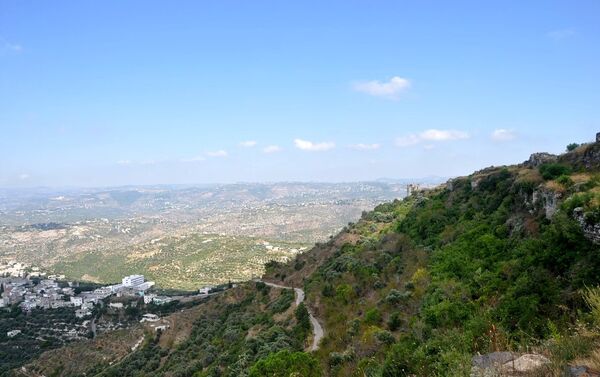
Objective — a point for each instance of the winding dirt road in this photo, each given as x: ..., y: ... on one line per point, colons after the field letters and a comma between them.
x: 317, y: 329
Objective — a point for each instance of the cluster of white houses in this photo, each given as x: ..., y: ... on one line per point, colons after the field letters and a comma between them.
x: 49, y: 294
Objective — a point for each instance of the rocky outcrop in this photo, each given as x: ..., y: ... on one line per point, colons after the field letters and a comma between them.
x: 511, y: 364
x: 506, y: 364
x: 538, y: 159
x: 541, y: 199
x: 582, y: 371
x: 586, y: 157
x: 548, y: 200
x: 590, y: 231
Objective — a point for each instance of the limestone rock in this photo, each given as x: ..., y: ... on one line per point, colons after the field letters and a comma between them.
x: 590, y: 231
x: 549, y: 199
x: 582, y: 371
x: 524, y: 364
x: 538, y: 159
x: 506, y: 364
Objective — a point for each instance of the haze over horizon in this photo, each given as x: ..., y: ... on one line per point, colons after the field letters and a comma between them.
x: 98, y: 95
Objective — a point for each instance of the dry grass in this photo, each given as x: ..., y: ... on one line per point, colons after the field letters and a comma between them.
x: 579, y: 178
x: 529, y: 175
x: 555, y: 187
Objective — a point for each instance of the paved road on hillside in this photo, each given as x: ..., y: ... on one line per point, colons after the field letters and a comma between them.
x: 317, y: 329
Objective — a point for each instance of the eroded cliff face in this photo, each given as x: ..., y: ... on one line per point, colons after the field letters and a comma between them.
x: 590, y: 230
x: 547, y: 200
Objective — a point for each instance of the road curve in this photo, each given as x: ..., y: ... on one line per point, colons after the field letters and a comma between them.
x: 317, y: 329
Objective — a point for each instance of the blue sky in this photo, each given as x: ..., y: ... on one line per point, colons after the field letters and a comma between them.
x: 140, y: 92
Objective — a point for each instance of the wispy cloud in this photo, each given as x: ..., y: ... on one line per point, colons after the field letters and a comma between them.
x: 306, y: 145
x: 502, y: 134
x: 561, y: 34
x: 364, y: 147
x: 6, y: 46
x: 23, y: 176
x: 248, y: 144
x: 272, y: 149
x: 391, y: 89
x: 194, y: 159
x: 124, y: 162
x: 431, y: 135
x: 219, y: 153
x: 408, y: 140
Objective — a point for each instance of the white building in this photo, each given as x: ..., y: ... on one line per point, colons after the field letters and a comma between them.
x: 204, y: 290
x: 76, y: 301
x: 148, y: 298
x: 133, y: 280
x: 116, y: 305
x: 13, y: 333
x: 149, y: 317
x: 145, y: 286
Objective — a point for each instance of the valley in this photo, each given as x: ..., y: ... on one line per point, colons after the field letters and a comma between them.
x: 180, y: 237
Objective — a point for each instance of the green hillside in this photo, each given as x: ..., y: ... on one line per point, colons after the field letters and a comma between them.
x: 506, y: 259
x: 494, y: 261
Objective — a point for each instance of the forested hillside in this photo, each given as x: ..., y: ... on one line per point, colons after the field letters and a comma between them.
x: 506, y: 259
x: 502, y: 260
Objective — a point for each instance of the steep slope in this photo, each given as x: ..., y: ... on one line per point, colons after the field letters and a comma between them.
x: 494, y: 261
x: 506, y: 259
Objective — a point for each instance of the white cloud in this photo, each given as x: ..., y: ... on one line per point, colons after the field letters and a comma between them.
x: 443, y: 135
x: 559, y: 35
x: 390, y: 89
x: 219, y: 153
x: 23, y: 176
x: 193, y: 159
x: 124, y: 162
x: 306, y: 145
x: 248, y: 144
x: 272, y: 149
x: 502, y: 134
x: 431, y: 135
x: 364, y: 147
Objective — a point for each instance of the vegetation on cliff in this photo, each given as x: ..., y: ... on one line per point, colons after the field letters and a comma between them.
x: 502, y: 260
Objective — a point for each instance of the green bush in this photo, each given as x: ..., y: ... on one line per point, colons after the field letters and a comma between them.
x: 286, y: 364
x: 373, y: 316
x: 283, y: 302
x: 566, y: 181
x: 553, y: 170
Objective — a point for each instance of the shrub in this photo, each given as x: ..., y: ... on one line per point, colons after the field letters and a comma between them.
x: 394, y: 322
x: 344, y: 293
x: 286, y: 363
x: 572, y: 146
x: 373, y: 316
x: 395, y: 296
x: 553, y: 171
x: 565, y: 181
x: 385, y: 337
x: 283, y: 302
